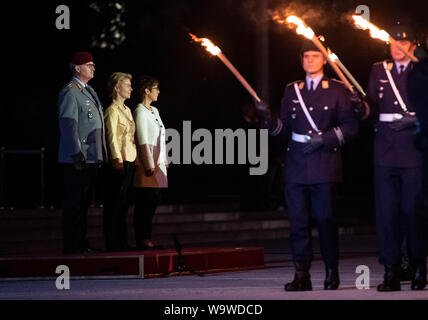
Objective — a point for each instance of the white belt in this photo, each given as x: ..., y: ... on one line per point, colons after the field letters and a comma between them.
x: 389, y: 117
x: 302, y: 138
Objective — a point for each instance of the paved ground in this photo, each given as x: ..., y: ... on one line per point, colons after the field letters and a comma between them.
x: 265, y: 284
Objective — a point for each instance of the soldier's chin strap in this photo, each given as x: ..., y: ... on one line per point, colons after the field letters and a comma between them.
x: 394, y: 87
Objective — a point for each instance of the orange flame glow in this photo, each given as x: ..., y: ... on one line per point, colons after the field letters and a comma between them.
x: 301, y: 27
x: 210, y: 47
x: 375, y: 32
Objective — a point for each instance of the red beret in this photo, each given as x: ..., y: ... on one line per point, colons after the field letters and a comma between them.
x: 81, y: 57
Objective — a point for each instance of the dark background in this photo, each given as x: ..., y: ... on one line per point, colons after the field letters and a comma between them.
x: 194, y: 85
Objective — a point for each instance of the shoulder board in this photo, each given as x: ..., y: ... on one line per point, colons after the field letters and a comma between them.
x: 299, y: 82
x: 324, y: 84
x: 68, y: 86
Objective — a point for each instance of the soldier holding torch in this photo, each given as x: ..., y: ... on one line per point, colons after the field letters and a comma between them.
x: 316, y: 114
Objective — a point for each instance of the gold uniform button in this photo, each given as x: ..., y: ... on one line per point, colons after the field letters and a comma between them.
x: 325, y: 107
x: 311, y: 109
x: 310, y: 131
x: 395, y: 102
x: 293, y: 116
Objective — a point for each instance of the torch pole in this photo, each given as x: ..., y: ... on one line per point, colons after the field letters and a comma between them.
x: 350, y: 77
x: 399, y: 46
x: 342, y: 77
x: 236, y: 73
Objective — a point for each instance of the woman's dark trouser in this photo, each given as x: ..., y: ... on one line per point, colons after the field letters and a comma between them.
x: 118, y: 188
x: 146, y: 201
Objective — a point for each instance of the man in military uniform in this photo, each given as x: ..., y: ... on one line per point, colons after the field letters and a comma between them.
x: 82, y: 149
x: 317, y: 114
x: 397, y: 166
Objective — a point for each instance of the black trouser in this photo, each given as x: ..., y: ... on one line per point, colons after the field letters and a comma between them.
x: 302, y: 199
x: 117, y: 198
x: 146, y: 201
x: 78, y: 194
x: 399, y: 210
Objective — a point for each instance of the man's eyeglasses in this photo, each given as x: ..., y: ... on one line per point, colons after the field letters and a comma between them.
x: 90, y: 65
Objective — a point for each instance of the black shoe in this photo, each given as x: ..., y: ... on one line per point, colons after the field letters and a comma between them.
x: 419, y: 280
x: 331, y: 281
x: 391, y: 278
x: 299, y: 283
x: 302, y: 278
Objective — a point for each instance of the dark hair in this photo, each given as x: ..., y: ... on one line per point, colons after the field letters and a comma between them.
x: 143, y: 83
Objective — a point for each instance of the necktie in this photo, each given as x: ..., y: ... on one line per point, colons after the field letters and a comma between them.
x: 401, y: 69
x: 312, y: 86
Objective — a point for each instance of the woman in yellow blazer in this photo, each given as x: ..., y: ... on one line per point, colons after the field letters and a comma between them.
x: 151, y: 167
x: 120, y: 130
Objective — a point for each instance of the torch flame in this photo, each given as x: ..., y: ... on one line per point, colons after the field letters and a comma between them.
x: 375, y: 32
x: 210, y: 47
x: 301, y: 28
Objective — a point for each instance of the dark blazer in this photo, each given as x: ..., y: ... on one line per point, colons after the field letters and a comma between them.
x: 330, y: 107
x: 391, y: 148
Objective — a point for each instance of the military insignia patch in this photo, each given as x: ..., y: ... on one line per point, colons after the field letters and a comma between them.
x: 380, y: 95
x: 390, y: 65
x: 79, y: 86
x: 301, y: 84
x: 324, y: 84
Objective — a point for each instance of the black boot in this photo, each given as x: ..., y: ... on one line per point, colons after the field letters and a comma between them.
x: 391, y: 278
x: 331, y: 281
x: 302, y: 278
x: 419, y: 280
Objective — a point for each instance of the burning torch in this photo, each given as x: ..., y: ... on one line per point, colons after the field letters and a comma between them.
x: 377, y: 33
x: 310, y: 34
x: 214, y: 50
x: 333, y: 60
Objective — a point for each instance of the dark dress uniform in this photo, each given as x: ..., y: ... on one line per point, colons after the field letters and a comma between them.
x: 81, y: 124
x: 310, y: 177
x: 397, y: 170
x: 311, y: 174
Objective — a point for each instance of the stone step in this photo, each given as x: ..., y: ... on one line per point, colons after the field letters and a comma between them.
x: 52, y: 234
x: 53, y: 220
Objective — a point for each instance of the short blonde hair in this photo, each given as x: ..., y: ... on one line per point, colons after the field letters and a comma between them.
x: 114, y: 79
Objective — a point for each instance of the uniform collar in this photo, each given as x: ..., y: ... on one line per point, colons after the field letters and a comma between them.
x: 80, y: 82
x: 315, y: 80
x: 397, y: 65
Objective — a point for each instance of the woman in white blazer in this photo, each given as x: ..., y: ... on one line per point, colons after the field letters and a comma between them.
x: 152, y: 163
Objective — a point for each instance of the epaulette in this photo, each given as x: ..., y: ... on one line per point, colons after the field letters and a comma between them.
x: 380, y: 63
x: 301, y: 83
